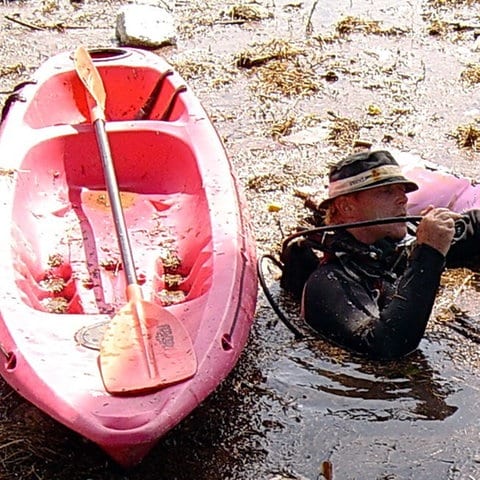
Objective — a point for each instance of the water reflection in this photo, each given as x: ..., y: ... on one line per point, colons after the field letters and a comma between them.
x: 352, y: 387
x: 398, y: 382
x: 466, y: 325
x: 349, y: 387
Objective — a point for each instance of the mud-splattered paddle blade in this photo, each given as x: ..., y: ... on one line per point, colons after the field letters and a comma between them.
x: 92, y: 81
x: 145, y: 348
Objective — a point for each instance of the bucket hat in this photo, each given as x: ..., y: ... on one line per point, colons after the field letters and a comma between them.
x: 363, y: 171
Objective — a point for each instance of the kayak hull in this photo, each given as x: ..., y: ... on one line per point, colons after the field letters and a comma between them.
x: 62, y: 275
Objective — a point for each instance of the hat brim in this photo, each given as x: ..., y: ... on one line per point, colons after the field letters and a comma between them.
x: 409, y: 187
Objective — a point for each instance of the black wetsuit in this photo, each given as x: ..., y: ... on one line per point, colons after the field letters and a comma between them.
x: 377, y: 299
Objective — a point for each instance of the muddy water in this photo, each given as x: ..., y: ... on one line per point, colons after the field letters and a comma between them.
x: 290, y: 405
x: 413, y: 418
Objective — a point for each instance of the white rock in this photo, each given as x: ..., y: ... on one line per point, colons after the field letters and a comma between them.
x: 145, y: 26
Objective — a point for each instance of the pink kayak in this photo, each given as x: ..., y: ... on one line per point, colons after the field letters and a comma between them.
x: 61, y: 270
x: 438, y: 186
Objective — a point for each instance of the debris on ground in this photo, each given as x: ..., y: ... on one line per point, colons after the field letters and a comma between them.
x: 468, y: 136
x: 261, y: 53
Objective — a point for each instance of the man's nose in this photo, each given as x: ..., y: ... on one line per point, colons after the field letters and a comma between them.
x: 402, y: 197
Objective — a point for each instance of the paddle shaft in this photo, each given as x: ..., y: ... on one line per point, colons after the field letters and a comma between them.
x: 134, y: 292
x: 90, y: 77
x: 115, y: 201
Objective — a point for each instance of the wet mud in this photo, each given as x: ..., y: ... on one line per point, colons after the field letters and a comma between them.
x: 315, y: 81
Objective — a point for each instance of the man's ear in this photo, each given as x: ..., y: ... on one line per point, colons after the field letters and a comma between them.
x: 344, y: 205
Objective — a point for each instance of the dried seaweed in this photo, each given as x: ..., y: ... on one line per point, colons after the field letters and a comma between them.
x: 111, y: 265
x: 468, y: 136
x: 441, y: 27
x: 286, y: 78
x: 249, y: 13
x: 262, y: 53
x: 7, y: 172
x: 55, y: 304
x: 55, y: 260
x: 216, y: 70
x: 343, y: 132
x: 53, y: 284
x: 268, y: 182
x: 15, y: 69
x: 350, y: 24
x: 450, y: 3
x: 170, y: 297
x: 172, y: 280
x: 471, y: 74
x: 453, y: 282
x: 171, y: 262
x: 282, y: 127
x: 437, y: 27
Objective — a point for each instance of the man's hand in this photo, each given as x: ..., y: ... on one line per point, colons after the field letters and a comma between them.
x: 437, y: 228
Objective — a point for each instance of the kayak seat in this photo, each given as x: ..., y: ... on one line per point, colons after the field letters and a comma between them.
x: 52, y: 290
x: 199, y: 279
x: 193, y: 281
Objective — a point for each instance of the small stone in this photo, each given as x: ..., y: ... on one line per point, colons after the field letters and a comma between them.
x: 145, y: 26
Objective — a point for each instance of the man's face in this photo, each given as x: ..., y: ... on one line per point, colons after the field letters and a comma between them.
x: 381, y: 202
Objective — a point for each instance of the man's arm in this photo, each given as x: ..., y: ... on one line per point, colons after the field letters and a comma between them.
x: 344, y: 310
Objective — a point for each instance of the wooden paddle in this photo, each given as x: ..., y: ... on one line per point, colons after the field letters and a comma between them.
x: 145, y: 347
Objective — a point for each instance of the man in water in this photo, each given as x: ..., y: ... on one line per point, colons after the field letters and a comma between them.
x: 373, y: 291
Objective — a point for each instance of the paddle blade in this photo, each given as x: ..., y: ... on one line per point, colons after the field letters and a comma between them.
x: 145, y: 348
x: 92, y: 80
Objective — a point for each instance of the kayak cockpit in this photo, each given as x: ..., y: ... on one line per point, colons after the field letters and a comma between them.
x: 65, y: 255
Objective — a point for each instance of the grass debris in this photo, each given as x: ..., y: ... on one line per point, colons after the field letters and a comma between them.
x: 214, y: 69
x: 14, y: 69
x: 248, y: 13
x: 261, y: 53
x: 468, y: 136
x: 286, y: 78
x: 351, y: 24
x: 344, y: 132
x: 471, y: 74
